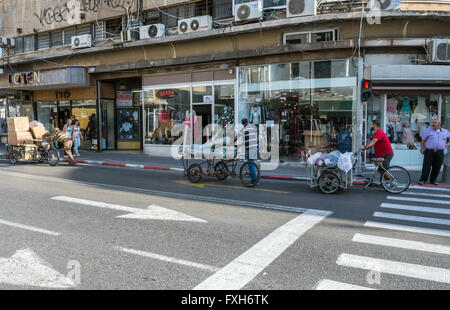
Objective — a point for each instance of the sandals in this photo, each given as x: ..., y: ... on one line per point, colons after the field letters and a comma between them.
x: 421, y: 182
x: 435, y: 183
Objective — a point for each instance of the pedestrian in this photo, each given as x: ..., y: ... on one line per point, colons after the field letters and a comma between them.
x: 434, y: 141
x: 68, y: 128
x: 77, y: 137
x: 62, y: 137
x: 251, y: 146
x: 381, y: 145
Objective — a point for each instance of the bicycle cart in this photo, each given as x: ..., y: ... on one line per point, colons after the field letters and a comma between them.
x: 329, y: 180
x: 41, y: 151
x: 214, y: 163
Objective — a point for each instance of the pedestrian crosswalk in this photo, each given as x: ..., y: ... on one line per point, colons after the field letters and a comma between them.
x: 404, y: 220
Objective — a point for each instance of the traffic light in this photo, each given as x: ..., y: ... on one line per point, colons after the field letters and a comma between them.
x: 366, y: 90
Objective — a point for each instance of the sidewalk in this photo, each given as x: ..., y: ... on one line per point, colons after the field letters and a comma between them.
x: 287, y: 171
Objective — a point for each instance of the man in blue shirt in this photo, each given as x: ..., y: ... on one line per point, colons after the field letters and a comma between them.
x: 434, y: 141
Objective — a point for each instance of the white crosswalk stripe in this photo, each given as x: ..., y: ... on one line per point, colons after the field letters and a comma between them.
x: 331, y: 285
x: 395, y: 268
x: 402, y: 244
x: 411, y: 199
x: 426, y: 194
x: 413, y: 229
x: 415, y: 208
x: 412, y: 218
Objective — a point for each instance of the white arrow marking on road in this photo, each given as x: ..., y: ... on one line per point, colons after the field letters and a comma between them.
x: 153, y: 212
x: 25, y: 268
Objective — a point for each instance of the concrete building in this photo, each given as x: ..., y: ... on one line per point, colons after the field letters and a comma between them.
x: 131, y: 70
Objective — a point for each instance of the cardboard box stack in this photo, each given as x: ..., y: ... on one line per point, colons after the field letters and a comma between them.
x: 37, y: 129
x: 19, y: 131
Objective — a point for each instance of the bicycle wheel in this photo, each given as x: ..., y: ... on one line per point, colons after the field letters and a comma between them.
x: 53, y: 157
x: 246, y: 174
x: 221, y: 171
x: 13, y: 157
x: 395, y: 180
x: 195, y: 173
x: 329, y: 183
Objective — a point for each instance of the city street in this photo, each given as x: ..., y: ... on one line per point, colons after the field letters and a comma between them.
x: 93, y: 227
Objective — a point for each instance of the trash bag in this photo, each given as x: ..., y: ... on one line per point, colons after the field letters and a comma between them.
x: 321, y: 160
x: 345, y: 162
x: 331, y: 160
x: 312, y: 159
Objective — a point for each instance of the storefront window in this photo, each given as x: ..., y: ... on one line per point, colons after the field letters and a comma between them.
x: 408, y: 116
x: 314, y: 103
x: 446, y: 111
x: 224, y: 105
x: 47, y: 114
x: 128, y: 124
x: 164, y: 108
x: 86, y: 112
x: 202, y: 94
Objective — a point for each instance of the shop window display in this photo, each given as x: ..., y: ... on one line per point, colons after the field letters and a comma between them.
x: 313, y: 103
x: 408, y: 116
x: 86, y: 112
x: 128, y: 124
x: 163, y: 109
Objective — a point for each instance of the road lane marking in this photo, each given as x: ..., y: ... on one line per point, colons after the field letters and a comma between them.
x: 202, y: 185
x: 415, y: 208
x: 26, y: 268
x: 395, y: 268
x: 412, y: 218
x: 426, y: 194
x: 329, y: 285
x: 30, y: 228
x: 411, y: 199
x: 153, y: 212
x: 246, y: 267
x: 168, y: 259
x: 159, y: 193
x: 413, y: 229
x: 402, y: 244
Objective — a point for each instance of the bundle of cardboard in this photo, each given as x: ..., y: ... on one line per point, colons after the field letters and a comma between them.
x: 21, y: 131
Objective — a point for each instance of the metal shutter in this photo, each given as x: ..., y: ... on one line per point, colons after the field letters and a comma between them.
x: 43, y: 41
x: 83, y: 29
x: 68, y: 34
x: 56, y: 38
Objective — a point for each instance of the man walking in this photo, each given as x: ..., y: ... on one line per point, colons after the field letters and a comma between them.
x: 434, y: 141
x: 62, y: 137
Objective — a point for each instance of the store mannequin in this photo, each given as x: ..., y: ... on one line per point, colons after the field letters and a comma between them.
x: 392, y: 110
x: 421, y: 112
x: 406, y: 110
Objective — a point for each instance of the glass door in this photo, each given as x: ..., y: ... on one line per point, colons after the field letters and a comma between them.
x: 203, y: 117
x: 108, y: 139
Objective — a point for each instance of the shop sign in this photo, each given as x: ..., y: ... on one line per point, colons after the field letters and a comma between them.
x: 166, y: 94
x: 24, y: 78
x: 124, y: 99
x: 62, y: 94
x: 207, y: 99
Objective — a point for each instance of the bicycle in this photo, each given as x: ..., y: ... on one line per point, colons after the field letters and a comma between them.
x: 394, y: 180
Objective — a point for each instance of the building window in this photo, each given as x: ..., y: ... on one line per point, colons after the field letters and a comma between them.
x: 43, y: 41
x: 29, y: 43
x: 311, y: 36
x: 152, y: 17
x: 113, y: 28
x: 56, y: 38
x: 18, y: 48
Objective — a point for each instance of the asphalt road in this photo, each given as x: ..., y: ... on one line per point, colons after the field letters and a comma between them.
x: 280, y: 235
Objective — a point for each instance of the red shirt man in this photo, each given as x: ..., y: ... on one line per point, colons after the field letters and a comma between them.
x: 381, y: 144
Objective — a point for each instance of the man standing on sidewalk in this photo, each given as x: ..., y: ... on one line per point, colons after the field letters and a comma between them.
x: 251, y: 146
x: 434, y: 141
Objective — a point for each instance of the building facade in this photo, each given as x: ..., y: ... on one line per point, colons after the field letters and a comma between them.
x: 130, y: 71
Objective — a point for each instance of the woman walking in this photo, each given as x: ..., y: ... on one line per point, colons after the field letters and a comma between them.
x: 77, y: 137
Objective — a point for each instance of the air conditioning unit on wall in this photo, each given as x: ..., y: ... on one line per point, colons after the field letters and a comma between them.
x: 82, y: 41
x: 152, y: 31
x: 129, y: 35
x: 248, y: 10
x: 387, y: 5
x: 296, y: 8
x: 194, y: 24
x: 440, y: 50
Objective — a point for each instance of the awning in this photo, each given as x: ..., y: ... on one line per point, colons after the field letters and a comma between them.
x: 410, y: 74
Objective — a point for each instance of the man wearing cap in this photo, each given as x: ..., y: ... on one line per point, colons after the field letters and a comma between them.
x: 434, y: 141
x: 62, y: 137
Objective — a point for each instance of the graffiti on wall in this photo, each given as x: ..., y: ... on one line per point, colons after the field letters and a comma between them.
x: 70, y: 12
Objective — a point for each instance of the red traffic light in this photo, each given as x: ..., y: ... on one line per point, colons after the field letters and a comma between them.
x: 366, y: 84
